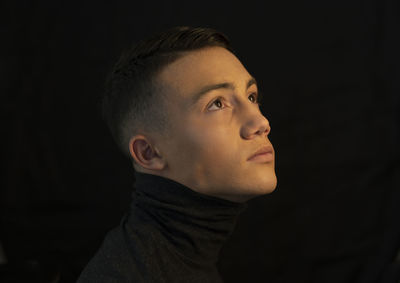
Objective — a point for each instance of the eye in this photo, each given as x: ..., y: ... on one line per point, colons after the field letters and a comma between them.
x: 255, y: 95
x: 219, y: 99
x: 215, y: 102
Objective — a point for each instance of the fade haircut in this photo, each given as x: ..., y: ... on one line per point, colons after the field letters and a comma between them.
x: 134, y: 102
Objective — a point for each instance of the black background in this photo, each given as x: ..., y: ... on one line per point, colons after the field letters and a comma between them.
x: 329, y: 71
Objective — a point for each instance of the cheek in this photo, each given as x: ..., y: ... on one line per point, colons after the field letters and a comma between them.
x: 210, y: 143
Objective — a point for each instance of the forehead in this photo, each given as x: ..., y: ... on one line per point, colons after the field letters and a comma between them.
x: 202, y: 67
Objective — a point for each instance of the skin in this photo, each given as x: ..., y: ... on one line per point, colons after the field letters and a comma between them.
x: 212, y: 139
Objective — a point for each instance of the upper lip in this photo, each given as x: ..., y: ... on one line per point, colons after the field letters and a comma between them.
x: 262, y: 150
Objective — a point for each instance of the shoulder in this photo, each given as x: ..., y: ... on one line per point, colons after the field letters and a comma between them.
x: 112, y: 261
x: 129, y: 253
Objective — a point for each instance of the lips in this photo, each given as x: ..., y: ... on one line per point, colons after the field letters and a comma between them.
x: 262, y: 150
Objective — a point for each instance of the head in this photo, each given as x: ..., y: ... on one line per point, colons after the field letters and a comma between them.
x: 182, y: 106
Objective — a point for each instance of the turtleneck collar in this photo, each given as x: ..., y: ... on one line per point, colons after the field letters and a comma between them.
x: 197, y: 225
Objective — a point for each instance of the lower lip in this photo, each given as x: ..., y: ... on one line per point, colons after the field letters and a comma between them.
x: 265, y: 157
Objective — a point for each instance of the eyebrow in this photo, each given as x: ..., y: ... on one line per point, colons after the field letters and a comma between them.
x: 226, y: 85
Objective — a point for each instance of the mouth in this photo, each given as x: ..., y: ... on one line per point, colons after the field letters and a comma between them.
x: 264, y: 154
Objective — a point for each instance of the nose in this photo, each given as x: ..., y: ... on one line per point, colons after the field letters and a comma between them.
x: 256, y: 125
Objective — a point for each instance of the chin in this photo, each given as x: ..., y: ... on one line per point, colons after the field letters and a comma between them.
x: 268, y: 185
x: 254, y: 190
x: 265, y: 190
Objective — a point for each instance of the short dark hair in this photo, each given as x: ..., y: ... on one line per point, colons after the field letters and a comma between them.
x: 133, y: 102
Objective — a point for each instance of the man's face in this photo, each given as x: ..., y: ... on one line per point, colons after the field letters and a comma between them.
x: 213, y: 137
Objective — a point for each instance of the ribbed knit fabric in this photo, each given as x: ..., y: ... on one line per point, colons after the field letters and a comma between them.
x: 170, y: 234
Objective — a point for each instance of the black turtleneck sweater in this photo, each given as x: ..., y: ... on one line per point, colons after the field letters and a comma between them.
x: 170, y: 234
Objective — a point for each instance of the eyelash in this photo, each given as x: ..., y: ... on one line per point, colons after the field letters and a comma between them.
x: 255, y: 94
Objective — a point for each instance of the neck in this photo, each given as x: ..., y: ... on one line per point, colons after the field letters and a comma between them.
x: 196, y: 225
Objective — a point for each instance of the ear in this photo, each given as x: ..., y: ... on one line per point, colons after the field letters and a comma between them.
x: 145, y: 154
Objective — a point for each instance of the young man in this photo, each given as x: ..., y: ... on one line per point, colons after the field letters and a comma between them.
x: 186, y: 111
